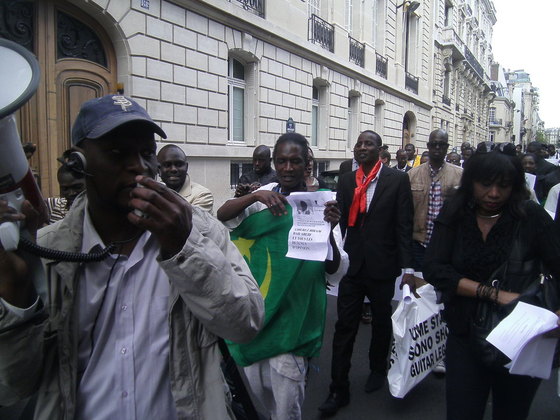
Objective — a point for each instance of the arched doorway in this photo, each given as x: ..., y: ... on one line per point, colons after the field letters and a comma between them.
x: 408, y: 128
x: 78, y: 62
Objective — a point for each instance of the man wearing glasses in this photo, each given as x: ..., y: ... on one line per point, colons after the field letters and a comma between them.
x: 431, y: 184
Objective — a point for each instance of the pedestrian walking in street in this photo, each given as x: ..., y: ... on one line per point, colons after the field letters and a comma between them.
x: 488, y: 227
x: 376, y: 206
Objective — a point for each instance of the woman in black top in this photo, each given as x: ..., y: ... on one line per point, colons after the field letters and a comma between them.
x: 473, y: 236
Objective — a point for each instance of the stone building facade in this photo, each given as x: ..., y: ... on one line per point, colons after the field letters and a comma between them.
x: 314, y: 62
x: 461, y: 78
x: 502, y: 108
x: 223, y: 76
x: 553, y: 136
x: 526, y: 120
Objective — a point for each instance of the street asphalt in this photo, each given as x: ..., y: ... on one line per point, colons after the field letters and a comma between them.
x: 425, y: 402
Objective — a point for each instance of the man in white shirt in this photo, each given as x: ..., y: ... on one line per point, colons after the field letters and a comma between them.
x: 134, y: 335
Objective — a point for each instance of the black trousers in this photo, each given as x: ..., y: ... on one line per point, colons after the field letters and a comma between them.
x: 351, y: 293
x: 418, y: 253
x: 468, y: 385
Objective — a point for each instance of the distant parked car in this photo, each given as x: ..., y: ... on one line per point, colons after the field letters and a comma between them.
x: 330, y: 178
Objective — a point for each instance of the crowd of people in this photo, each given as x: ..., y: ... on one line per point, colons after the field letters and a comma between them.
x: 143, y: 332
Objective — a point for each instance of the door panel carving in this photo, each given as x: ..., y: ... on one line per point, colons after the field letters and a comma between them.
x: 77, y: 62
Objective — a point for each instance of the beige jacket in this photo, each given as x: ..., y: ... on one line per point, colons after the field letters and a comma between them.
x: 197, y: 195
x: 420, y: 181
x: 212, y: 294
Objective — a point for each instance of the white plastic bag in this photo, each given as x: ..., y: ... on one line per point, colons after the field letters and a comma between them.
x: 419, y: 338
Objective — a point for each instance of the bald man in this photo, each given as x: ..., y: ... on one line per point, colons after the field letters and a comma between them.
x: 432, y: 183
x: 261, y: 174
x: 173, y: 167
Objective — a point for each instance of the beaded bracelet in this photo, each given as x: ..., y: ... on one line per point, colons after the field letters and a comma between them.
x: 487, y: 292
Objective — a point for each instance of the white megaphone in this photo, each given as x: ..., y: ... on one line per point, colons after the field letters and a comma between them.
x: 19, y: 78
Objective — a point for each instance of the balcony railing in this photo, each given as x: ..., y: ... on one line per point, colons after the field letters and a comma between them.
x: 254, y: 6
x: 450, y: 38
x: 321, y: 32
x: 473, y: 62
x: 495, y: 122
x: 446, y: 100
x: 474, y: 21
x: 381, y: 65
x: 357, y: 51
x: 411, y: 82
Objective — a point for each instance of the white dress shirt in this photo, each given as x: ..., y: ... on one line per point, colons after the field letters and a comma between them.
x: 371, y: 188
x: 125, y: 375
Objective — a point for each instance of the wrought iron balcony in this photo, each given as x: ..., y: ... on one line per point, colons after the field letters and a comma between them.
x: 254, y: 6
x: 473, y: 62
x: 321, y: 32
x: 357, y: 51
x: 411, y: 82
x: 446, y: 100
x: 381, y: 65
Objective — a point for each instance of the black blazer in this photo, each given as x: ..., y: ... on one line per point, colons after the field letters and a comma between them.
x: 345, y: 167
x: 381, y: 239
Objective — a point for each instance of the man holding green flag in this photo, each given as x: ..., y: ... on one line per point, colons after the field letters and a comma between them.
x: 294, y: 290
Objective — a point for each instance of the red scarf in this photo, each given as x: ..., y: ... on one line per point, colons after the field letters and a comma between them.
x: 359, y: 202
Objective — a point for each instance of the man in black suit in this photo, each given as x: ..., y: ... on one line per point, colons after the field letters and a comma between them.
x: 547, y: 173
x: 402, y: 161
x: 376, y: 216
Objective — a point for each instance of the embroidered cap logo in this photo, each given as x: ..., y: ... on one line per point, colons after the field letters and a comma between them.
x: 122, y: 101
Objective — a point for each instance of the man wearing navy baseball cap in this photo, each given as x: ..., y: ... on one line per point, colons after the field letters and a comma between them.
x: 99, y: 116
x: 134, y: 335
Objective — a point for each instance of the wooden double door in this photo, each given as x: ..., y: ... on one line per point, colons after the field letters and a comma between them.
x: 77, y: 63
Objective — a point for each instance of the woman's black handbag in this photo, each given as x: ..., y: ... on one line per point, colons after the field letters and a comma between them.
x: 541, y: 290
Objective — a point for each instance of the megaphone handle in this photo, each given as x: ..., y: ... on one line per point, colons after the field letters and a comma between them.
x: 9, y: 231
x: 9, y: 235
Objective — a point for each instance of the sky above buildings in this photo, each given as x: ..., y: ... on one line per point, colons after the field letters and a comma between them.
x: 526, y: 37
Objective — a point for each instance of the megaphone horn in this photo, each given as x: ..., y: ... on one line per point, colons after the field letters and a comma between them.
x: 19, y: 79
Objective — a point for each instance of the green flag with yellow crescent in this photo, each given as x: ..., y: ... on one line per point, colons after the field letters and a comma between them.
x: 294, y: 291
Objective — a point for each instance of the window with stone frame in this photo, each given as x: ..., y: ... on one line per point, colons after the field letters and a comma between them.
x: 242, y: 97
x: 319, y: 113
x: 378, y: 25
x: 354, y: 99
x: 448, y: 14
x: 314, y: 8
x: 348, y: 18
x: 236, y: 92
x: 315, y: 116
